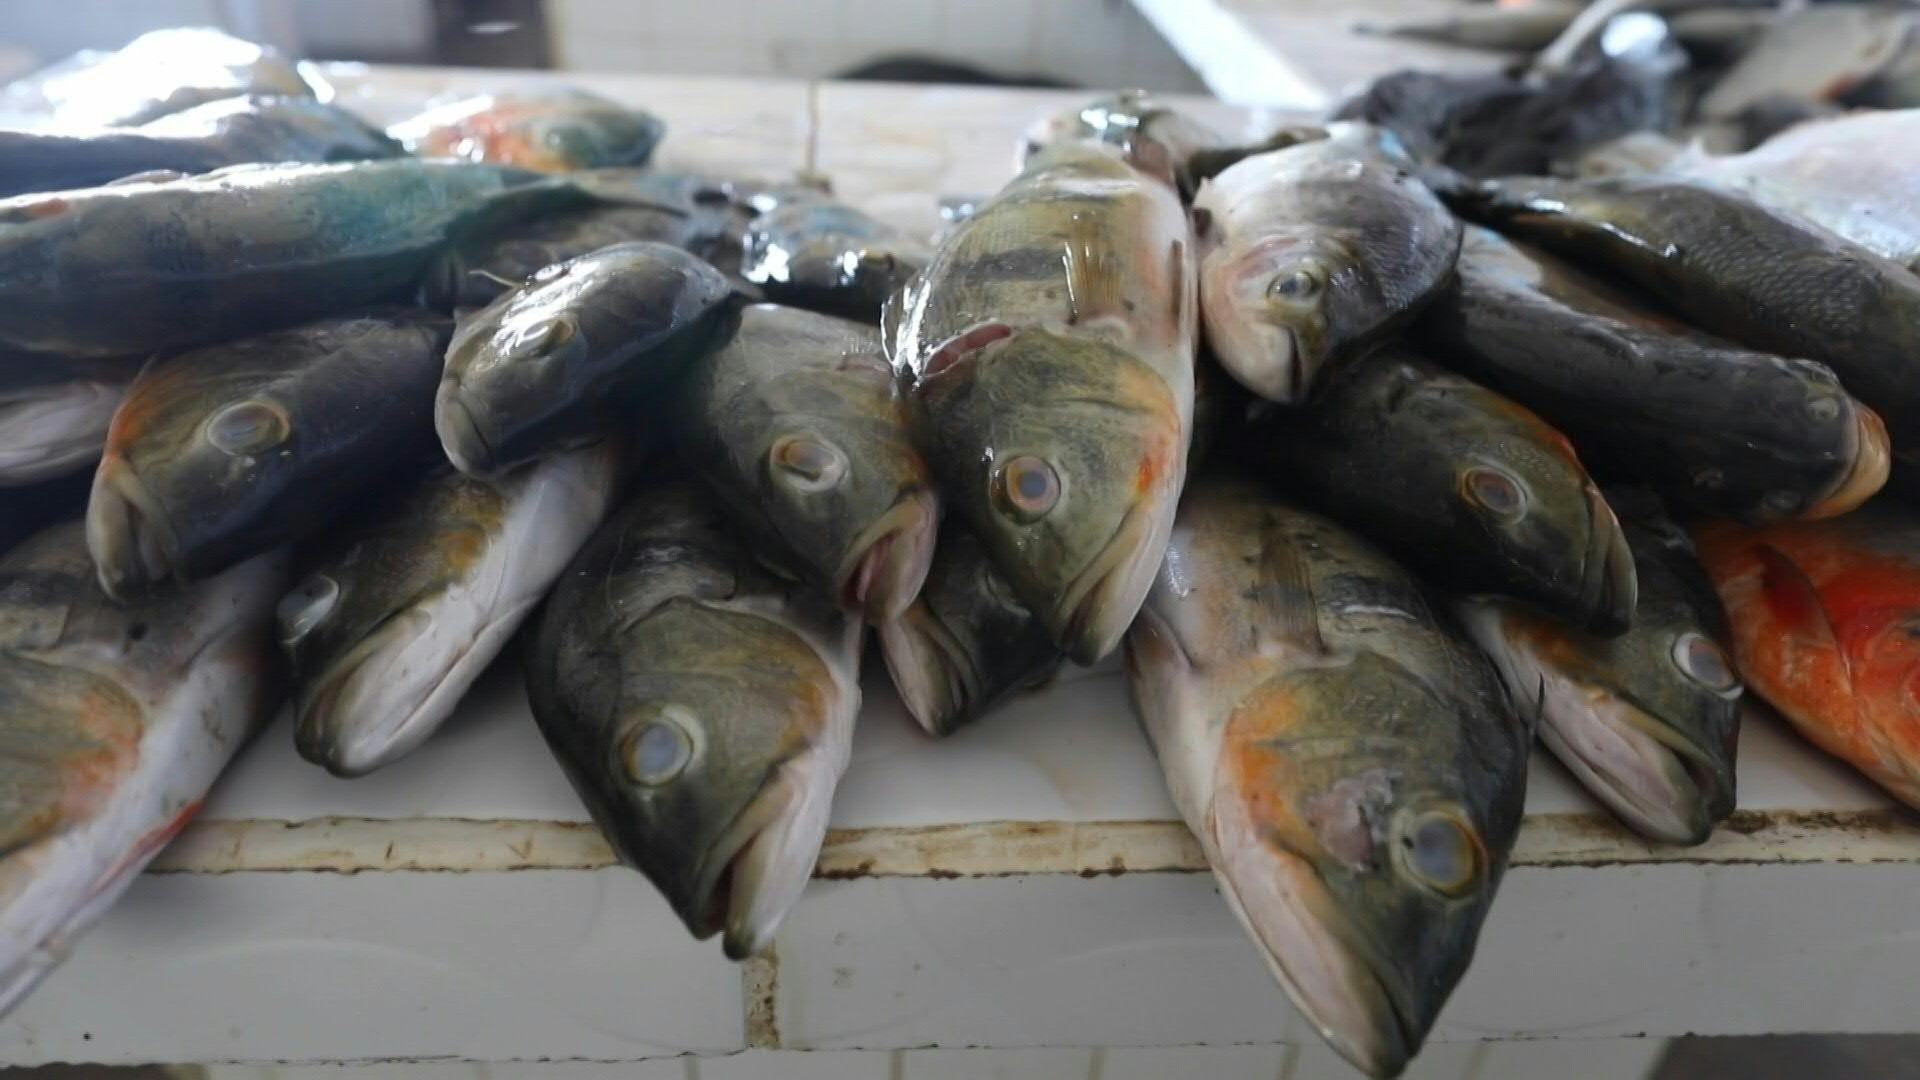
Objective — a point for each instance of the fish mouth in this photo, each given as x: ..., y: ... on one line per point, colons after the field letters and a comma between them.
x: 42, y: 435
x: 373, y: 705
x: 936, y: 679
x: 888, y: 563
x: 1658, y: 782
x: 1364, y: 1009
x: 1609, y: 585
x: 133, y: 543
x: 461, y: 435
x: 757, y: 869
x: 1100, y: 603
x: 1272, y: 365
x: 1870, y: 460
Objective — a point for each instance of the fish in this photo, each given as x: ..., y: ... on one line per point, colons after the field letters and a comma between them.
x: 241, y: 250
x: 796, y: 423
x: 1153, y: 137
x: 1351, y: 766
x: 220, y: 453
x: 703, y: 708
x: 156, y: 74
x: 1648, y: 720
x: 966, y: 643
x: 114, y: 721
x: 1734, y: 268
x: 829, y: 257
x: 1516, y: 27
x: 1819, y: 52
x: 393, y: 623
x: 1823, y: 616
x: 1857, y: 175
x: 53, y: 420
x: 1714, y: 426
x: 1467, y: 486
x: 1049, y: 347
x: 1311, y: 255
x: 556, y: 130
x: 584, y: 348
x: 684, y: 210
x: 230, y: 131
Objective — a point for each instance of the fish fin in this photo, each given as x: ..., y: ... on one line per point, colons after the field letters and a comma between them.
x: 1093, y: 272
x: 963, y: 346
x: 1286, y: 589
x: 1791, y: 598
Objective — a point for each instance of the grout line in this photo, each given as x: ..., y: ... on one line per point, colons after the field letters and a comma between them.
x: 1477, y: 1061
x: 897, y: 1065
x: 759, y: 990
x: 811, y: 162
x: 1289, y: 1060
x: 1097, y: 1063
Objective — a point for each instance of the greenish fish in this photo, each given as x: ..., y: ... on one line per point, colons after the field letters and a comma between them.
x: 1735, y: 268
x: 1050, y: 348
x: 131, y: 268
x: 53, y: 419
x: 797, y: 423
x: 114, y: 721
x: 1463, y: 483
x: 154, y: 75
x: 966, y: 643
x: 1352, y: 769
x: 231, y: 131
x: 1647, y: 720
x: 1311, y: 255
x: 226, y: 451
x: 587, y: 347
x: 1714, y: 426
x: 829, y: 257
x: 702, y: 707
x: 547, y: 130
x: 395, y: 621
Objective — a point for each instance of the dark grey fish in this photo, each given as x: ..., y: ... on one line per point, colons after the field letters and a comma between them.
x: 829, y: 257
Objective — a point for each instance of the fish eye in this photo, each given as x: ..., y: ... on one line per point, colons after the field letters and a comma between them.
x: 543, y: 338
x: 1495, y: 492
x: 306, y: 607
x: 1026, y: 487
x: 1699, y: 659
x: 1823, y: 408
x: 1440, y: 853
x: 248, y: 427
x: 656, y: 751
x: 1300, y: 284
x: 807, y: 464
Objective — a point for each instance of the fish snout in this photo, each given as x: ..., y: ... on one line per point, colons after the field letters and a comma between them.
x: 758, y: 868
x: 1867, y: 468
x: 461, y: 434
x: 1657, y: 781
x: 133, y: 546
x: 931, y: 671
x: 889, y: 563
x: 1609, y: 585
x: 1097, y: 607
x: 368, y: 708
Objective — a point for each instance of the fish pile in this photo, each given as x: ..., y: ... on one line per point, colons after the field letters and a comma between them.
x: 1369, y: 470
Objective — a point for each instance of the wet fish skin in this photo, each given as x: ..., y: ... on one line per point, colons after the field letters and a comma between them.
x: 241, y: 250
x: 1463, y: 483
x: 220, y: 453
x: 1152, y: 136
x: 1313, y: 254
x: 1735, y: 268
x: 966, y: 643
x: 1520, y: 27
x: 53, y: 420
x: 229, y: 131
x: 584, y: 348
x: 1351, y: 768
x: 1822, y: 615
x: 390, y: 628
x: 1648, y: 720
x: 549, y: 131
x: 1714, y: 426
x: 702, y: 707
x: 797, y: 424
x: 1051, y: 341
x: 114, y: 721
x: 156, y: 74
x: 830, y: 257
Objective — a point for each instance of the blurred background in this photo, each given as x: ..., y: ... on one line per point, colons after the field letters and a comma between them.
x: 1032, y: 42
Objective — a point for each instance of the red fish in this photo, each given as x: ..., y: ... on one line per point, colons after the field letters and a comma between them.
x: 1826, y: 627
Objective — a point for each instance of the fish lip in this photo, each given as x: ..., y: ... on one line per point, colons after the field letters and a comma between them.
x: 888, y: 563
x: 1869, y: 462
x: 772, y: 819
x: 1609, y: 584
x: 1278, y: 373
x: 461, y: 436
x: 915, y: 644
x: 1668, y: 802
x: 1081, y: 628
x: 370, y: 747
x: 129, y: 535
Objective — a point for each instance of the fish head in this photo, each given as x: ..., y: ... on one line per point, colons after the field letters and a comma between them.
x: 562, y: 141
x: 1276, y: 311
x: 508, y: 367
x: 1646, y: 720
x: 1066, y: 454
x: 47, y: 428
x: 1363, y: 867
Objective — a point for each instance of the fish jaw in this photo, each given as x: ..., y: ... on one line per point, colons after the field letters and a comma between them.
x: 1609, y: 586
x: 1265, y: 357
x: 461, y: 434
x: 1100, y: 604
x: 936, y: 681
x: 129, y: 535
x: 47, y: 434
x: 1867, y: 469
x: 888, y: 564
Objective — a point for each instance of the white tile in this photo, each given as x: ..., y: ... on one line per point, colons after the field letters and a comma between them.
x: 1568, y: 1059
x: 967, y: 29
x: 1194, y: 1062
x: 796, y: 1065
x: 661, y: 1069
x: 1438, y: 1061
x: 971, y: 1064
x: 894, y: 25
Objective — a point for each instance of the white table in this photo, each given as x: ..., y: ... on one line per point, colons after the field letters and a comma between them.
x: 1021, y: 885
